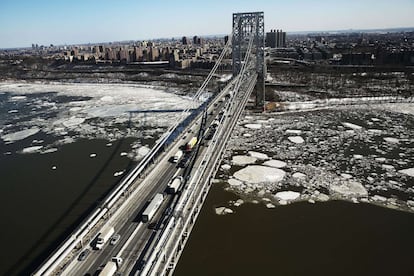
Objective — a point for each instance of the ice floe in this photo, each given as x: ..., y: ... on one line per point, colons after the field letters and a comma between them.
x: 73, y: 121
x: 259, y: 174
x: 391, y: 140
x: 20, y: 135
x: 275, y: 164
x: 253, y: 126
x: 409, y: 172
x: 349, y: 188
x: 223, y: 211
x: 32, y: 149
x: 258, y: 155
x: 299, y: 175
x: 294, y: 131
x: 287, y: 195
x: 118, y: 173
x: 242, y: 160
x: 234, y: 182
x: 296, y: 139
x: 351, y: 126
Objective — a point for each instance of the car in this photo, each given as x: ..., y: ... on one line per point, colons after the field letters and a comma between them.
x: 115, y: 238
x: 84, y: 254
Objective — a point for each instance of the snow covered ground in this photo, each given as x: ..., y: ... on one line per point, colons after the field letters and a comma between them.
x: 92, y: 111
x: 360, y: 154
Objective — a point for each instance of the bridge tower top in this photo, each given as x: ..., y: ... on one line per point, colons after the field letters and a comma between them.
x: 244, y: 26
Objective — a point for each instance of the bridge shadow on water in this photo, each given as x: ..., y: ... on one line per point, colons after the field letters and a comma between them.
x: 27, y: 269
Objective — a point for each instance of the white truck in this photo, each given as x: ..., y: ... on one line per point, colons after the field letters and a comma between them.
x: 111, y: 267
x: 177, y: 156
x: 174, y: 185
x: 104, y: 236
x: 152, y: 207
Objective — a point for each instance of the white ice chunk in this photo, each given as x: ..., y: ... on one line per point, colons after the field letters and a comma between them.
x: 124, y: 154
x: 322, y: 197
x: 409, y: 172
x: 388, y: 167
x: 225, y: 167
x: 351, y: 126
x: 349, y: 188
x: 242, y: 160
x: 259, y: 174
x: 253, y: 126
x: 32, y: 149
x: 258, y: 155
x: 391, y: 140
x: 18, y: 98
x: 275, y: 164
x: 20, y: 135
x: 299, y: 175
x: 287, y: 195
x: 296, y: 139
x: 118, y: 173
x: 270, y: 206
x: 223, y: 211
x: 379, y: 198
x: 73, y: 121
x: 234, y: 182
x: 238, y: 202
x: 294, y: 131
x: 346, y: 175
x: 92, y: 155
x: 51, y: 150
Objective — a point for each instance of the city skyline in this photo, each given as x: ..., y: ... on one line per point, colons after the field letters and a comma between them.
x: 78, y: 22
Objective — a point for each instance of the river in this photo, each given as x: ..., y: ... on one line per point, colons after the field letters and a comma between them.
x: 327, y: 238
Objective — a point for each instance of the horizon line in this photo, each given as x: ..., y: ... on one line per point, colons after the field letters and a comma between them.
x: 339, y: 31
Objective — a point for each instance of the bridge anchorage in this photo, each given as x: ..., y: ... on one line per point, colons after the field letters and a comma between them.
x: 155, y: 250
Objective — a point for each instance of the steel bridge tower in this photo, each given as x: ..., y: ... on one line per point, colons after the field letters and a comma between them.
x: 244, y: 26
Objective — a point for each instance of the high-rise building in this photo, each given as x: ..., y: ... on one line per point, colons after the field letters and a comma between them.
x: 226, y: 38
x: 185, y: 40
x: 276, y: 39
x: 197, y: 40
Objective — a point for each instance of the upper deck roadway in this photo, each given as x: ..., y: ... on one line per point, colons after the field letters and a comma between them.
x: 127, y: 219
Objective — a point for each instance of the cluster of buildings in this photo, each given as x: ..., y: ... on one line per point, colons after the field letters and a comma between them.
x: 182, y: 53
x: 353, y: 48
x: 276, y: 39
x: 349, y: 48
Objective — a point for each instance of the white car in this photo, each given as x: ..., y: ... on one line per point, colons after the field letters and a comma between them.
x: 115, y: 238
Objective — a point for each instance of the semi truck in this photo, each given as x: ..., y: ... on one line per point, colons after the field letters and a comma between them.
x: 174, y: 185
x: 177, y: 156
x: 152, y: 207
x: 190, y: 145
x: 111, y: 267
x: 104, y: 236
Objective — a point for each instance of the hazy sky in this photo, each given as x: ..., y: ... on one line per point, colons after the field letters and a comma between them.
x: 23, y: 22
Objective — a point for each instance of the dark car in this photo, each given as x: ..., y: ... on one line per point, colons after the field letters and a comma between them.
x: 83, y: 254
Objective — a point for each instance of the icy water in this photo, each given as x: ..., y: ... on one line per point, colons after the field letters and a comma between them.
x: 329, y: 238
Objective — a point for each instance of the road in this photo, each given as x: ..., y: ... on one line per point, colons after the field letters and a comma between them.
x: 127, y: 218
